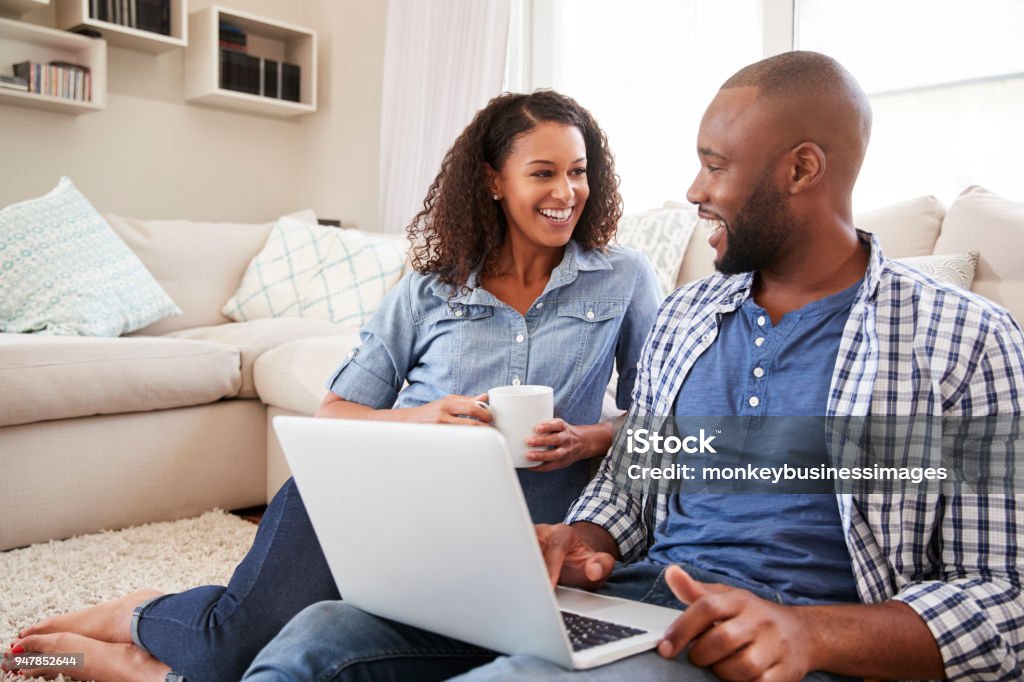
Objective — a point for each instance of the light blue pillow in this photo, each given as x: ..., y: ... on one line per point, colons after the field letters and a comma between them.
x: 63, y: 270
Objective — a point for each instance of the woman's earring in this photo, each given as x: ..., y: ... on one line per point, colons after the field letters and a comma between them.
x: 496, y: 197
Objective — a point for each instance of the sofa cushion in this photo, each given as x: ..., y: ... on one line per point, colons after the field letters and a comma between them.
x: 256, y: 337
x: 293, y: 376
x: 54, y: 377
x: 994, y: 226
x: 64, y: 271
x: 906, y: 229
x: 198, y: 263
x: 320, y: 272
x: 662, y: 235
x: 909, y: 228
x: 952, y: 268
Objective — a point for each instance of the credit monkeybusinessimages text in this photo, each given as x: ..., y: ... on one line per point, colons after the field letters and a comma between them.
x: 644, y: 441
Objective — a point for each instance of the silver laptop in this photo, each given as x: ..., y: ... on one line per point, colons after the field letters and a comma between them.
x: 426, y: 525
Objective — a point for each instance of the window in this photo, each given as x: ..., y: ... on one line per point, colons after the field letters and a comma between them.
x: 946, y: 83
x: 645, y: 69
x: 945, y: 79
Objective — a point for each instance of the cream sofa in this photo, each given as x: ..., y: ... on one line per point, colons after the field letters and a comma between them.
x: 174, y: 419
x: 166, y: 422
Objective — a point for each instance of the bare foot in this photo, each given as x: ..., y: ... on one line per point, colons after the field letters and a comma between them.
x: 103, y: 661
x: 107, y: 622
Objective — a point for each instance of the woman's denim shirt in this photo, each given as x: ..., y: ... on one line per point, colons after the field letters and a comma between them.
x: 596, y: 310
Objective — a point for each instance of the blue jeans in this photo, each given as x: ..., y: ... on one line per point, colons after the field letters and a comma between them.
x: 214, y: 632
x: 335, y: 641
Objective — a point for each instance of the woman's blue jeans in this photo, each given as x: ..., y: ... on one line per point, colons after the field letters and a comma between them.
x: 214, y: 632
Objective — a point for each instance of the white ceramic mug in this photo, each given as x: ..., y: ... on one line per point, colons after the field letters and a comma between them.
x: 515, y: 411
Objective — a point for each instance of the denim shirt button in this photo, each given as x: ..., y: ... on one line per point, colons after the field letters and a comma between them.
x: 540, y: 305
x: 515, y: 380
x: 458, y: 313
x: 519, y: 338
x: 590, y: 314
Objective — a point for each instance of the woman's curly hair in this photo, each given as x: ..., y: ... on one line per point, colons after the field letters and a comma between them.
x: 461, y: 226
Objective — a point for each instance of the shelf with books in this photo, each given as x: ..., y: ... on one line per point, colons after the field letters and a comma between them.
x: 146, y: 25
x: 22, y: 6
x: 61, y: 53
x: 237, y: 60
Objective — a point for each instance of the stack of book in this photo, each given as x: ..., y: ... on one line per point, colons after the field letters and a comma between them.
x: 232, y: 37
x: 145, y: 15
x: 243, y: 72
x: 13, y: 83
x: 56, y: 79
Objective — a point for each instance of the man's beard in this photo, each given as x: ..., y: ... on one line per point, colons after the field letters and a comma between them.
x: 759, y: 232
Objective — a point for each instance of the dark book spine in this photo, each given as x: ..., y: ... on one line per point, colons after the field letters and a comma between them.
x: 148, y: 15
x: 290, y: 82
x: 25, y: 71
x: 165, y: 17
x: 270, y: 79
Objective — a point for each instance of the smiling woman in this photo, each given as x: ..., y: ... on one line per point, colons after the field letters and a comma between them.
x: 515, y: 283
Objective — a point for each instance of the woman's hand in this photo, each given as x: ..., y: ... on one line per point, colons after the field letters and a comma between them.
x: 451, y: 409
x: 568, y: 444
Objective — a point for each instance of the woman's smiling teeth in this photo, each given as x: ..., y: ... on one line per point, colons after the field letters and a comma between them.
x: 557, y: 215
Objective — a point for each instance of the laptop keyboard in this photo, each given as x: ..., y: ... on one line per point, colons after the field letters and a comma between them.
x: 585, y: 633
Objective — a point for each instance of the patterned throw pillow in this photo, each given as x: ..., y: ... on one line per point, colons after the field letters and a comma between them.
x: 63, y: 270
x: 954, y: 268
x: 322, y: 272
x: 662, y: 236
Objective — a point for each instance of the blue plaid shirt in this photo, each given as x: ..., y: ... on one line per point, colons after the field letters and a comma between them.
x: 911, y: 347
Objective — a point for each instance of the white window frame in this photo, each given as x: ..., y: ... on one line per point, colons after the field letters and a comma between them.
x: 533, y: 61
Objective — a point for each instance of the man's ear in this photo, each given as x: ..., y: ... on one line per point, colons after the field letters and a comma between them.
x: 807, y: 167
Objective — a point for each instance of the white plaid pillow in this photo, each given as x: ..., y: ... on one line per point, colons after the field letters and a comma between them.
x: 321, y: 272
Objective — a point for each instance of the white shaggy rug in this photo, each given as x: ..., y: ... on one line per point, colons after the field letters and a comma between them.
x: 68, y: 575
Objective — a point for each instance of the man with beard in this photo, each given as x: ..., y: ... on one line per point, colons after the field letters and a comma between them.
x: 804, y: 318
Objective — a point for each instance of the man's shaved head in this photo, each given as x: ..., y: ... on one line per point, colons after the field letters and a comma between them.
x: 813, y: 98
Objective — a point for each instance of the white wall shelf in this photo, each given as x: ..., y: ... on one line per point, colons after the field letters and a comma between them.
x: 75, y: 13
x: 20, y: 41
x: 22, y: 6
x: 266, y: 38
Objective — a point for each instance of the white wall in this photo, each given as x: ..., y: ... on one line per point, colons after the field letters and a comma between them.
x: 149, y: 154
x: 342, y: 139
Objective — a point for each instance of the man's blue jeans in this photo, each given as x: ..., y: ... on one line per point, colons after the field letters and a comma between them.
x: 214, y: 632
x: 336, y: 641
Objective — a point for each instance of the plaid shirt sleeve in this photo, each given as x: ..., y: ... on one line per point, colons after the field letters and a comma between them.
x: 975, y: 610
x: 603, y: 502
